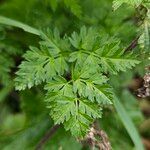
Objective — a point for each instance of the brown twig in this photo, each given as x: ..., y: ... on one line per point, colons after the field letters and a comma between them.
x: 47, y: 137
x: 133, y: 44
x: 144, y: 91
x: 146, y: 142
x: 97, y: 138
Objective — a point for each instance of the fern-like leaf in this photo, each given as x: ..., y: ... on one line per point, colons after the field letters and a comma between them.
x: 76, y: 113
x: 93, y: 86
x: 104, y: 54
x: 118, y: 3
x: 73, y: 70
x: 39, y: 66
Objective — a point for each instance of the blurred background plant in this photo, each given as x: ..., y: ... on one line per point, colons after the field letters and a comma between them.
x: 23, y: 117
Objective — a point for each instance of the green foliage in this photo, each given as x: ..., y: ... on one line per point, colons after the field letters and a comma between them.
x: 65, y: 106
x: 11, y: 22
x: 5, y: 66
x: 80, y: 71
x: 7, y: 52
x: 75, y: 102
x: 103, y: 52
x: 118, y: 3
x: 74, y: 7
x: 44, y: 63
x: 131, y: 109
x: 129, y: 125
x: 144, y: 39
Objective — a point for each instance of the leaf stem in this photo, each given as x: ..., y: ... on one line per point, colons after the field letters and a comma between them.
x: 47, y: 137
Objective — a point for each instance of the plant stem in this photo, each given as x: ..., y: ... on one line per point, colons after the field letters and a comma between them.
x: 47, y: 137
x: 132, y: 45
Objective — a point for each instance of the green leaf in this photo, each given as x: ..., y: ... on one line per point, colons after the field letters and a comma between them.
x: 76, y: 101
x: 45, y: 63
x: 103, y: 53
x: 5, y: 68
x: 74, y: 7
x: 53, y: 41
x: 82, y: 40
x: 144, y: 39
x: 76, y: 113
x: 93, y: 87
x: 63, y: 110
x: 118, y: 3
x: 39, y: 66
x: 78, y: 57
x: 127, y: 122
x: 60, y: 84
x: 53, y: 4
x: 11, y: 22
x: 4, y: 92
x: 113, y: 58
x: 84, y: 115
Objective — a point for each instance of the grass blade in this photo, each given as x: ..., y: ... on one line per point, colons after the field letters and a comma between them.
x: 128, y: 124
x: 11, y: 22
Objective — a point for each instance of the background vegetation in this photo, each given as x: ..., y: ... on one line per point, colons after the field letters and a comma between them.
x: 25, y: 123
